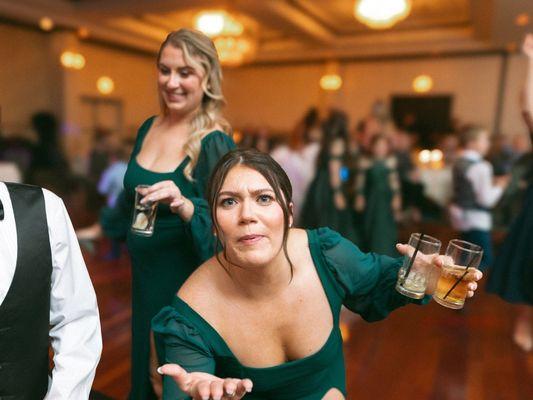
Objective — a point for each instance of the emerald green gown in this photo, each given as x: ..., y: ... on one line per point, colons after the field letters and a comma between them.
x: 362, y: 282
x: 162, y: 262
x: 380, y: 229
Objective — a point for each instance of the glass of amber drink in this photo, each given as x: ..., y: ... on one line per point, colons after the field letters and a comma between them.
x: 461, y: 262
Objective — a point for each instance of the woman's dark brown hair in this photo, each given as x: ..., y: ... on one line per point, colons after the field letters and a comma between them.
x: 271, y: 171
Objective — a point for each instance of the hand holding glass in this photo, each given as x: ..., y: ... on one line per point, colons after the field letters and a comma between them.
x: 415, y: 272
x: 459, y: 269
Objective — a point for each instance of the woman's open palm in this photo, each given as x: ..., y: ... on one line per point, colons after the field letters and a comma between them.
x: 204, y: 386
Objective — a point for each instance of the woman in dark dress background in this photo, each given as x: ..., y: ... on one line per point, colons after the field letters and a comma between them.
x: 512, y: 274
x: 326, y: 202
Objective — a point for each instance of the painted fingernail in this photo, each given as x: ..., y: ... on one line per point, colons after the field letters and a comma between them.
x: 160, y: 371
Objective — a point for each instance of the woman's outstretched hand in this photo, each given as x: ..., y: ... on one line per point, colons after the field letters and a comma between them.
x: 433, y: 264
x: 203, y: 386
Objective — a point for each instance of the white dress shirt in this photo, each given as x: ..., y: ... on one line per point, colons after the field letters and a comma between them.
x: 487, y: 195
x: 74, y: 319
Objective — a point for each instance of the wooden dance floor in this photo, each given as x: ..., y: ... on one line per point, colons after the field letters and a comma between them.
x: 417, y: 353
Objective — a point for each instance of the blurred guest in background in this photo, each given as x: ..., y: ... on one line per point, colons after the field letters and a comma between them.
x: 378, y: 197
x: 99, y: 155
x: 298, y: 157
x: 512, y: 275
x: 475, y: 191
x: 49, y: 166
x: 326, y: 201
x: 502, y: 155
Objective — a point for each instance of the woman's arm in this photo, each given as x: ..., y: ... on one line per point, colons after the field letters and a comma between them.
x: 394, y: 183
x: 360, y: 182
x: 335, y: 164
x: 528, y: 51
x: 527, y: 108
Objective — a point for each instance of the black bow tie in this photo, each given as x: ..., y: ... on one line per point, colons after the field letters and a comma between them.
x: 1, y: 211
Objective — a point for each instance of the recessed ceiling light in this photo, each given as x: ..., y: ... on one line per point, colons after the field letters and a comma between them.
x: 46, y: 24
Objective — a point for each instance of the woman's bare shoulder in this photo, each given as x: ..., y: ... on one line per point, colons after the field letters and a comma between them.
x: 200, y: 284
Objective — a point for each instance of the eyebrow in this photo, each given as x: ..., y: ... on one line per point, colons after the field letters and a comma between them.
x: 254, y: 192
x: 184, y: 67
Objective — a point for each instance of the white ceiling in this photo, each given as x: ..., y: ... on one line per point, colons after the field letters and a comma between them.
x: 293, y: 30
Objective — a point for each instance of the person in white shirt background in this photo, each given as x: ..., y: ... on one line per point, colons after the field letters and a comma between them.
x: 45, y: 293
x: 475, y: 191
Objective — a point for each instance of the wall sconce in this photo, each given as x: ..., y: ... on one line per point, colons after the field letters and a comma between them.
x: 105, y: 85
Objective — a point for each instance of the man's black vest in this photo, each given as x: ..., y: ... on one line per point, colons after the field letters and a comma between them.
x: 25, y: 311
x: 463, y: 192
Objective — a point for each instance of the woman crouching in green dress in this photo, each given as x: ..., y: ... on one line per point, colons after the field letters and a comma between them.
x: 261, y: 318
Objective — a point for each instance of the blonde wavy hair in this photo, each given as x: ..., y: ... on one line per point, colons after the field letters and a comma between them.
x: 199, y: 53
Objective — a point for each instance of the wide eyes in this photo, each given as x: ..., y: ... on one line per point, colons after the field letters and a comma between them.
x: 227, y: 202
x: 265, y: 199
x: 262, y: 199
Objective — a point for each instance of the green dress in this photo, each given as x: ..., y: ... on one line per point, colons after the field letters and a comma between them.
x: 379, y: 225
x: 362, y: 282
x: 162, y: 262
x: 319, y: 208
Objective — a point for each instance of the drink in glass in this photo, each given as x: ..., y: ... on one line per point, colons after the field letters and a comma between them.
x: 462, y: 259
x: 414, y: 274
x: 143, y: 214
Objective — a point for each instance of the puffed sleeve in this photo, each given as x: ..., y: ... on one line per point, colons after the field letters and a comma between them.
x: 366, y: 281
x: 214, y: 146
x: 179, y: 342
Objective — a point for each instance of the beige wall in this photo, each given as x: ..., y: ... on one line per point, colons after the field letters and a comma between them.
x: 135, y: 90
x: 277, y: 96
x: 28, y: 80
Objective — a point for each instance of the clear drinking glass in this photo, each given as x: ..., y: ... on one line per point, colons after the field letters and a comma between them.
x: 143, y: 214
x: 412, y: 281
x: 462, y: 259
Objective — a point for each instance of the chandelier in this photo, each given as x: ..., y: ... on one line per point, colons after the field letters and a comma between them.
x: 381, y: 14
x: 233, y: 39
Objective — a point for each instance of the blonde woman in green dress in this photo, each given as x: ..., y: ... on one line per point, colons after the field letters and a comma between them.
x: 260, y: 319
x: 174, y: 153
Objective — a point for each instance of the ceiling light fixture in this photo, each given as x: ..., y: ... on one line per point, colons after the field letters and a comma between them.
x: 381, y: 14
x: 46, y: 24
x: 72, y: 60
x: 422, y: 84
x: 331, y: 82
x: 235, y: 42
x: 105, y: 85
